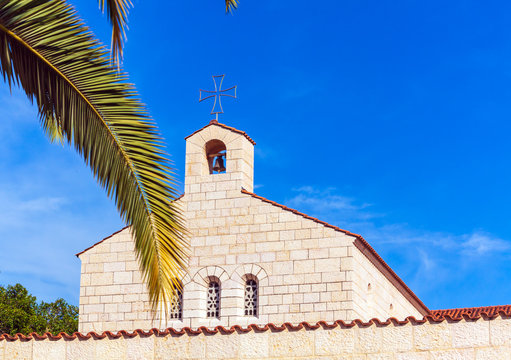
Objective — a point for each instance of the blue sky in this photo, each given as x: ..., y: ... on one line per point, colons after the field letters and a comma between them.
x: 389, y: 119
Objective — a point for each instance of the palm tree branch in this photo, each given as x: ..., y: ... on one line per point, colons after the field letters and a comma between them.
x: 49, y: 64
x: 230, y: 5
x: 117, y: 11
x: 47, y: 49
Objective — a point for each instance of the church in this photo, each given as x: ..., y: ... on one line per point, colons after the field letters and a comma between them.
x: 264, y: 282
x: 253, y: 261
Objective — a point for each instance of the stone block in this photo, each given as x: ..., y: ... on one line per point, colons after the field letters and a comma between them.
x: 282, y: 267
x: 310, y: 297
x: 432, y: 336
x: 293, y: 245
x: 338, y: 251
x: 460, y: 354
x: 269, y: 246
x: 114, y: 266
x: 318, y: 253
x: 267, y: 257
x: 140, y: 348
x: 493, y: 353
x: 17, y: 350
x: 248, y: 258
x: 80, y: 349
x: 102, y: 279
x: 299, y: 255
x: 500, y: 331
x: 222, y: 346
x: 93, y: 308
x: 412, y: 356
x: 287, y: 235
x: 254, y: 345
x: 470, y: 333
x: 291, y: 344
x: 282, y: 255
x: 111, y: 349
x: 327, y: 265
x: 297, y: 279
x: 302, y: 266
x: 398, y: 338
x: 369, y: 339
x: 94, y: 268
x: 123, y: 277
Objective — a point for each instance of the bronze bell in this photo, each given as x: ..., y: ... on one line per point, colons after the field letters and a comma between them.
x: 219, y: 164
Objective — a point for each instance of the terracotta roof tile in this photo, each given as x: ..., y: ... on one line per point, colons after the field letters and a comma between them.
x: 489, y: 311
x: 253, y: 327
x: 367, y: 250
x: 214, y: 122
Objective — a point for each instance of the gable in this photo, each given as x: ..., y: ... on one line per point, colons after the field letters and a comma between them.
x: 365, y: 249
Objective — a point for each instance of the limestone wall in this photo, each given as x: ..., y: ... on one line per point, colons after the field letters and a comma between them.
x: 374, y: 296
x: 306, y: 271
x: 297, y: 263
x: 480, y: 339
x: 112, y: 293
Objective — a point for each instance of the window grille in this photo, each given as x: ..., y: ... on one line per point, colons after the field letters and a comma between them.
x: 251, y: 298
x: 176, y: 306
x: 213, y: 304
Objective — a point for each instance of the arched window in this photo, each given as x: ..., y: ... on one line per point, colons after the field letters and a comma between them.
x: 213, y: 301
x: 216, y: 156
x: 251, y: 297
x: 176, y: 305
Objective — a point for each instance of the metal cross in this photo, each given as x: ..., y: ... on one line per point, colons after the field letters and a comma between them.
x: 217, y: 94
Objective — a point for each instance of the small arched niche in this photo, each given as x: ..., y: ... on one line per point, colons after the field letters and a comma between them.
x: 216, y: 156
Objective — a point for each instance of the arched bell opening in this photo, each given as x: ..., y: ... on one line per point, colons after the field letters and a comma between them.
x: 216, y: 156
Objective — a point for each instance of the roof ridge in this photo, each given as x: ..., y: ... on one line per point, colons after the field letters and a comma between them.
x: 365, y: 248
x: 227, y: 127
x: 252, y: 327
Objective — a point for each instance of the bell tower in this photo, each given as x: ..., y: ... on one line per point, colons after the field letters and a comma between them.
x: 219, y: 158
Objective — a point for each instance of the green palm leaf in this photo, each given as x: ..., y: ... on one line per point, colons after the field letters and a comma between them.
x: 230, y: 5
x: 85, y: 101
x: 117, y: 11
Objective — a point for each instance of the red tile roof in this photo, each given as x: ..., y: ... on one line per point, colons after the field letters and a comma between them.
x: 488, y: 311
x: 367, y: 250
x: 214, y: 122
x: 253, y: 327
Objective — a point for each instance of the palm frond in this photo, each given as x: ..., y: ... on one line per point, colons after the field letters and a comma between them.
x: 45, y: 48
x: 231, y: 5
x: 52, y: 129
x: 117, y: 12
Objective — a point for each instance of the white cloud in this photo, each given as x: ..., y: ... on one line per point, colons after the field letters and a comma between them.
x: 480, y: 243
x: 357, y: 216
x: 428, y: 260
x: 327, y: 201
x: 42, y: 204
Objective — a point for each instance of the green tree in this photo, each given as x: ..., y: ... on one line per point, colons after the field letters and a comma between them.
x: 58, y: 316
x: 87, y: 102
x: 20, y: 313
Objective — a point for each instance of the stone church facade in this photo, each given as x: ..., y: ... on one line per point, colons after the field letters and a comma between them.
x: 252, y: 261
